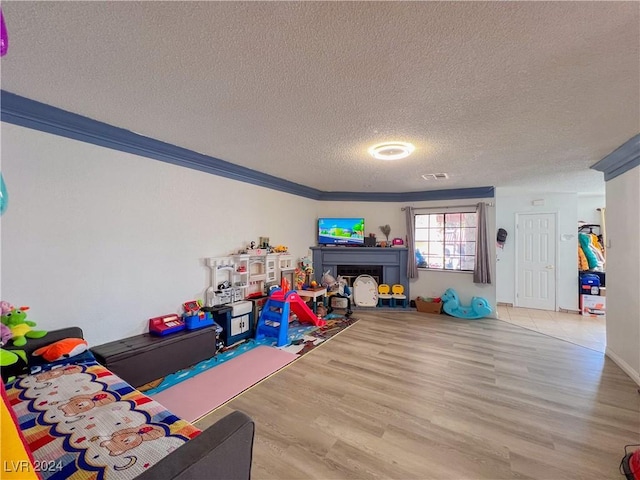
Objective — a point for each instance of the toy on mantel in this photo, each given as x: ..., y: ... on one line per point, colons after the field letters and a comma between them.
x: 16, y: 320
x: 386, y: 230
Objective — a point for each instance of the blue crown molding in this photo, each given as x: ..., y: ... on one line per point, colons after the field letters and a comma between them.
x: 452, y: 194
x: 46, y: 118
x: 622, y: 159
x: 25, y: 112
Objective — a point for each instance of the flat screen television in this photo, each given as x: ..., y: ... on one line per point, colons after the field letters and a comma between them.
x: 340, y: 231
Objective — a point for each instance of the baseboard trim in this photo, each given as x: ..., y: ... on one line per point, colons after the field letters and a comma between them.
x: 566, y: 310
x: 626, y: 368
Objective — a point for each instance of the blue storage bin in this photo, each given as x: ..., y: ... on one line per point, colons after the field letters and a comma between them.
x: 590, y: 284
x: 196, y: 321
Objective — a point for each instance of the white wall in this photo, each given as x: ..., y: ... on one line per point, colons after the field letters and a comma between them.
x: 623, y: 271
x: 428, y: 283
x: 105, y: 240
x: 588, y: 208
x: 565, y: 206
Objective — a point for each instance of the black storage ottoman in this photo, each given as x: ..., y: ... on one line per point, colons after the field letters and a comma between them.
x: 143, y: 358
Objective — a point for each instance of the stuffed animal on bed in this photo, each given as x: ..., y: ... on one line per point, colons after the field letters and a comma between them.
x: 69, y: 347
x: 12, y: 364
x: 5, y: 334
x: 5, y: 307
x: 16, y: 320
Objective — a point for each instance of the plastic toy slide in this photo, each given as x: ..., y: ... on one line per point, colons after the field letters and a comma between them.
x: 300, y: 308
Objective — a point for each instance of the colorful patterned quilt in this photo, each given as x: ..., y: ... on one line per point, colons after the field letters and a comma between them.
x: 82, y: 422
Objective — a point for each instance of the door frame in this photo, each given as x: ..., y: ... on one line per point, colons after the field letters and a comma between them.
x: 555, y: 257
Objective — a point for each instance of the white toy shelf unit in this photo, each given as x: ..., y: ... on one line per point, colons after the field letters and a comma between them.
x: 286, y: 267
x: 263, y: 270
x: 235, y: 277
x: 229, y: 279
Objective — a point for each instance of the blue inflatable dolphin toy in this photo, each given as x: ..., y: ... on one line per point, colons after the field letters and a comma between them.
x: 451, y: 304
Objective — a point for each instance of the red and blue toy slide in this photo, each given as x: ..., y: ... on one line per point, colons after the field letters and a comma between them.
x: 274, y: 319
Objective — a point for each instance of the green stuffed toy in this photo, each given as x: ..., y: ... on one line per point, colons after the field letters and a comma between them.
x: 16, y: 320
x: 12, y: 363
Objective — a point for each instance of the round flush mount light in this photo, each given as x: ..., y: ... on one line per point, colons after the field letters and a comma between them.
x: 391, y: 150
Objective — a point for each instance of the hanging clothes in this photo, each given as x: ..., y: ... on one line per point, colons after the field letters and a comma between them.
x: 582, y: 260
x: 585, y: 242
x: 596, y: 241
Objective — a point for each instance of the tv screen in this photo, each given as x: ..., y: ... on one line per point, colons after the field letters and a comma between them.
x: 341, y: 231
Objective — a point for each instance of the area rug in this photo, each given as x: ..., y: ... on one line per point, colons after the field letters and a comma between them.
x: 306, y: 341
x: 175, y: 391
x: 196, y: 396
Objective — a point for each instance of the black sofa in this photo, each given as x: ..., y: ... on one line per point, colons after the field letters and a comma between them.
x: 221, y: 452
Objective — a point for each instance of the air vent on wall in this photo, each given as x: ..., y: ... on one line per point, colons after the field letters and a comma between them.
x: 435, y: 176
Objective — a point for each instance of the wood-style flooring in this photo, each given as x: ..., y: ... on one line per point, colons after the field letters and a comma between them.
x: 407, y: 395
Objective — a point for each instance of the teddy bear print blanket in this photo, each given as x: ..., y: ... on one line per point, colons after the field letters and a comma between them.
x: 83, y: 422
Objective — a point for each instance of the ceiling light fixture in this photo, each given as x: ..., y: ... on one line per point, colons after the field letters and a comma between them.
x: 391, y: 150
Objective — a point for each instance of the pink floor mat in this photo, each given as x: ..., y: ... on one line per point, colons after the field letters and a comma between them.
x: 197, y: 396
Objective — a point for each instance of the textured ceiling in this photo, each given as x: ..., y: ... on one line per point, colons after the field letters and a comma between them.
x: 525, y: 95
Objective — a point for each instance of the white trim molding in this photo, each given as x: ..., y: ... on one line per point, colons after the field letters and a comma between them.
x: 626, y: 368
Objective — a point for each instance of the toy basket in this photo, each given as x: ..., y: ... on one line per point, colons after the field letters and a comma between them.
x: 427, y: 305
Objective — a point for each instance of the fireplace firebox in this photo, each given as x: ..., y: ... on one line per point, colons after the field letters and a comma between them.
x: 351, y: 272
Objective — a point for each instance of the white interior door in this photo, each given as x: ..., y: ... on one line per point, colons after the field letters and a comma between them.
x: 536, y: 261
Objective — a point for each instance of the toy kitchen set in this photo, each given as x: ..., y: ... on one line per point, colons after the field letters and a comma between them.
x: 233, y: 279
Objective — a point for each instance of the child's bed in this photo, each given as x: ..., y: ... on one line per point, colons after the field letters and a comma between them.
x: 80, y: 421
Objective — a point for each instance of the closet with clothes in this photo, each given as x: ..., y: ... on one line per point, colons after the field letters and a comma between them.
x: 591, y: 254
x: 591, y: 269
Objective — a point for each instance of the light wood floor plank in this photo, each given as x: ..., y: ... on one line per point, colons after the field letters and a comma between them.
x: 409, y: 395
